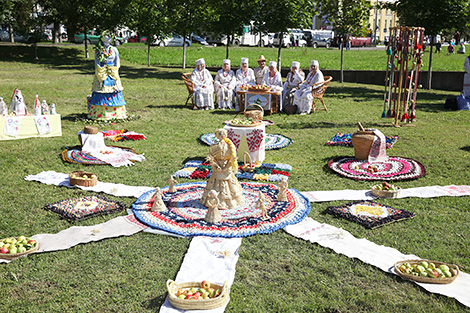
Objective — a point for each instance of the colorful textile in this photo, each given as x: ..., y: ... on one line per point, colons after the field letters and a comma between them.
x: 76, y: 155
x: 272, y: 141
x: 98, y: 112
x: 345, y: 140
x: 368, y: 213
x: 395, y: 168
x: 185, y: 215
x: 378, y: 150
x: 122, y: 135
x: 81, y: 208
x: 195, y: 169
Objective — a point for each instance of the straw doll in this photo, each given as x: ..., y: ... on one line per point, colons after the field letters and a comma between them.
x: 282, y: 195
x: 213, y: 213
x: 223, y: 159
x: 171, y: 187
x: 260, y: 204
x: 158, y: 204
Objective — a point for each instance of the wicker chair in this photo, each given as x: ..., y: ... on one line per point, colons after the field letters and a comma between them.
x: 190, y: 87
x: 318, y: 92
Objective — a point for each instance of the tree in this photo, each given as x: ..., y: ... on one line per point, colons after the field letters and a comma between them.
x: 148, y: 18
x: 280, y: 15
x: 434, y: 16
x: 18, y: 14
x: 348, y: 17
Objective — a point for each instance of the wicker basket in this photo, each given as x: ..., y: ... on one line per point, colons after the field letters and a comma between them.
x: 250, y: 166
x: 90, y: 130
x: 362, y: 142
x: 13, y: 256
x: 83, y: 182
x: 454, y: 269
x: 254, y: 113
x: 388, y: 194
x: 266, y: 89
x: 203, y: 304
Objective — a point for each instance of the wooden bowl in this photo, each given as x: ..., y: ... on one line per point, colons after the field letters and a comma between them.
x: 203, y: 304
x: 79, y: 180
x: 454, y: 269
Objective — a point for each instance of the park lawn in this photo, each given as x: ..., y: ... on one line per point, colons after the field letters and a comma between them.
x: 275, y: 272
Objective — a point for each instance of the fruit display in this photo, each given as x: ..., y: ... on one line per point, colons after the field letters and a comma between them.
x: 245, y: 122
x: 385, y: 186
x: 259, y: 88
x: 83, y: 179
x: 427, y: 271
x: 14, y: 246
x: 205, y: 291
x: 386, y: 190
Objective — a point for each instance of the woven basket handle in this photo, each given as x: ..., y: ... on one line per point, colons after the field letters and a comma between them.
x: 249, y: 158
x: 360, y: 126
x: 253, y: 105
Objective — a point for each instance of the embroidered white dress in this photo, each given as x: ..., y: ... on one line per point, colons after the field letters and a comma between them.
x: 272, y: 81
x: 303, y: 97
x: 225, y: 83
x: 463, y: 101
x: 291, y: 86
x: 203, y: 88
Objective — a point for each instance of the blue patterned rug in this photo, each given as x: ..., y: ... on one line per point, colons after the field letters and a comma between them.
x: 272, y: 141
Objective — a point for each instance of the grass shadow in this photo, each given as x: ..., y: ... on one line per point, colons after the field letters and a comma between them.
x: 307, y: 124
x: 466, y: 148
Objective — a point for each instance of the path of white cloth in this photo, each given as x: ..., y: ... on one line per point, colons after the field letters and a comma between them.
x: 325, y: 235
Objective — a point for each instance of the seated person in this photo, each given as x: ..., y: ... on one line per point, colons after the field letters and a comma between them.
x: 225, y: 82
x: 303, y: 97
x: 295, y: 77
x: 461, y: 49
x: 245, y: 76
x: 261, y: 70
x: 272, y: 78
x: 203, y: 86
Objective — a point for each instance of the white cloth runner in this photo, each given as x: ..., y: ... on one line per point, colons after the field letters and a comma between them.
x: 368, y: 252
x: 119, y: 226
x: 378, y: 150
x: 216, y: 259
x: 61, y: 179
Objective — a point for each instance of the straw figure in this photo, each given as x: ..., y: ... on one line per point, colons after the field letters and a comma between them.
x: 172, y: 182
x: 260, y: 204
x: 213, y: 213
x: 158, y: 204
x: 282, y: 195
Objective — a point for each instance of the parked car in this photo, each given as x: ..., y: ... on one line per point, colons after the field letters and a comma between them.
x: 199, y: 40
x: 135, y: 38
x: 173, y: 41
x: 355, y: 41
x: 216, y: 40
x: 32, y: 37
x: 320, y: 41
x: 93, y: 37
x: 287, y: 40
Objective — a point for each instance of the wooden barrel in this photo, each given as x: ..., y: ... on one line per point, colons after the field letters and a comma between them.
x: 362, y: 142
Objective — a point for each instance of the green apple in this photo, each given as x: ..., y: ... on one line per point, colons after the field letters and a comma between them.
x: 13, y: 250
x: 431, y: 266
x: 182, y: 296
x: 21, y: 249
x: 21, y: 238
x: 447, y: 273
x: 424, y: 264
x: 443, y: 267
x: 407, y: 264
x: 420, y: 268
x: 424, y: 274
x: 194, y: 290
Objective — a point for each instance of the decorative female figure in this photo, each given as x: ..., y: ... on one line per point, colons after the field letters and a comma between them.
x: 282, y: 195
x: 171, y: 187
x: 158, y: 204
x: 213, y: 213
x: 223, y: 159
x: 260, y: 204
x: 106, y: 101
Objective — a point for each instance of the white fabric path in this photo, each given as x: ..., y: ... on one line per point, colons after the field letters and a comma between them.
x: 216, y: 259
x: 368, y: 252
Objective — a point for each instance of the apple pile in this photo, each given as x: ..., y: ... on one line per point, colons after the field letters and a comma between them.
x: 84, y: 177
x: 260, y: 87
x: 386, y: 186
x: 425, y: 269
x: 242, y: 122
x: 244, y: 87
x: 205, y: 291
x: 372, y: 169
x: 14, y: 245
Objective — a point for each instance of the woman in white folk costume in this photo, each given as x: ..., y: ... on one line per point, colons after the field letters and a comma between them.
x: 303, y: 97
x: 225, y: 82
x: 272, y: 78
x: 295, y: 77
x: 203, y: 86
x: 245, y: 76
x: 463, y: 101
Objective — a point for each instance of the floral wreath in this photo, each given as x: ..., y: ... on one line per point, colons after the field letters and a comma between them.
x: 100, y: 45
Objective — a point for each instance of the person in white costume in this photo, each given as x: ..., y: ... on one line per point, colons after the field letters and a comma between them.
x: 272, y: 78
x: 245, y: 76
x: 261, y: 70
x: 295, y: 77
x: 463, y: 101
x: 303, y: 97
x: 225, y: 82
x: 203, y: 86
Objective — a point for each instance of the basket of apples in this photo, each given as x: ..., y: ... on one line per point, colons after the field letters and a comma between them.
x: 197, y: 295
x: 84, y: 179
x: 426, y: 271
x: 14, y: 247
x: 386, y: 190
x: 260, y: 88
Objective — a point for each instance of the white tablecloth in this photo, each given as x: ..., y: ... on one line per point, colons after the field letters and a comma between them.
x: 251, y: 139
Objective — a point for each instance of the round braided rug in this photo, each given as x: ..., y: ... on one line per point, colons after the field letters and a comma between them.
x: 76, y: 155
x: 272, y: 141
x: 396, y: 168
x: 185, y: 215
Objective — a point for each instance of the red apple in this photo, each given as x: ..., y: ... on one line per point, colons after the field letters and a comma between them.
x: 205, y: 284
x: 3, y: 250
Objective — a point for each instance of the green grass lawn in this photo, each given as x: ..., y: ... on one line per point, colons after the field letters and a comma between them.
x: 275, y: 272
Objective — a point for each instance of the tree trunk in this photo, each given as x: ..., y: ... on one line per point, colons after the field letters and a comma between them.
x: 281, y: 37
x: 341, y: 78
x: 35, y: 47
x: 148, y: 52
x: 430, y: 64
x: 56, y: 36
x: 12, y: 37
x: 86, y: 43
x: 184, y: 49
x: 229, y: 38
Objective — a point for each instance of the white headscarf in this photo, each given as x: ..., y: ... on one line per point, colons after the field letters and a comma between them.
x: 295, y: 64
x: 273, y: 64
x: 244, y: 60
x: 315, y: 63
x: 226, y: 61
x: 200, y: 61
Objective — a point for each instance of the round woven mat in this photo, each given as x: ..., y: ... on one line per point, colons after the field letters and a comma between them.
x: 76, y: 155
x: 272, y: 141
x: 185, y: 215
x: 396, y: 168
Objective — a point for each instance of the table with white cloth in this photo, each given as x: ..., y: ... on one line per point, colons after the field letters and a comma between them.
x: 250, y: 139
x: 268, y: 100
x: 19, y: 127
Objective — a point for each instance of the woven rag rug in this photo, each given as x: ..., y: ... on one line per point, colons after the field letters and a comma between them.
x: 394, y: 169
x: 185, y: 215
x: 345, y: 140
x: 123, y: 156
x: 272, y: 141
x: 122, y: 135
x: 195, y: 169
